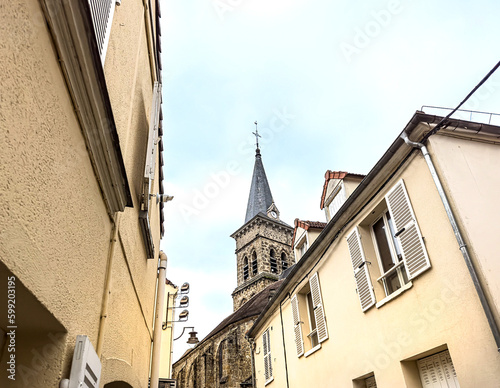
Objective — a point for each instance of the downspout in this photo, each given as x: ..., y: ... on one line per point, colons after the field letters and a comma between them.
x: 157, y: 331
x: 107, y: 285
x: 463, y: 247
x: 252, y: 348
x: 284, y: 346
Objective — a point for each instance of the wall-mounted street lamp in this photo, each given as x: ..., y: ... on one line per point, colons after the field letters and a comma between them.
x: 192, y: 340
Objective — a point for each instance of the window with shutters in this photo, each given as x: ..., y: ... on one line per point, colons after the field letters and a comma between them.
x: 437, y: 371
x: 391, y: 232
x: 338, y: 198
x: 268, y: 362
x: 309, y: 318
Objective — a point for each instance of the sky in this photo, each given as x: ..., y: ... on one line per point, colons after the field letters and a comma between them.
x: 331, y: 83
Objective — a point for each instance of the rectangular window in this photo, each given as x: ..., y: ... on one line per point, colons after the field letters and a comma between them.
x: 370, y: 382
x: 308, y: 301
x: 398, y: 245
x: 437, y: 371
x: 389, y: 254
x: 266, y: 346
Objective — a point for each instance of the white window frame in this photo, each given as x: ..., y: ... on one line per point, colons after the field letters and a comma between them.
x: 301, y: 246
x: 314, y: 331
x: 398, y: 265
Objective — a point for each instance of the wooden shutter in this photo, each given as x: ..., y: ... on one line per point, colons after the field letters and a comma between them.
x: 437, y: 371
x: 266, y: 345
x: 299, y: 344
x: 407, y: 231
x: 102, y: 15
x: 361, y: 273
x: 150, y: 165
x: 319, y: 313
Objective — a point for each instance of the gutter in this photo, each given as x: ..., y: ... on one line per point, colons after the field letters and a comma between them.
x: 458, y: 235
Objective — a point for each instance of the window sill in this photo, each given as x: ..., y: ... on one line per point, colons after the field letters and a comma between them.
x: 309, y: 352
x: 395, y: 294
x: 269, y: 381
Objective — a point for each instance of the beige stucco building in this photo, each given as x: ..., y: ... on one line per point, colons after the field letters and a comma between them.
x: 385, y: 295
x: 80, y: 134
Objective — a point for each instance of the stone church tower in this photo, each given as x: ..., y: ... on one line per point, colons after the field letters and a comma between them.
x: 263, y: 243
x: 223, y: 359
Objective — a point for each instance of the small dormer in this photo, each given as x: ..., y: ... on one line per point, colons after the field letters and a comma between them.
x: 338, y: 186
x: 304, y: 234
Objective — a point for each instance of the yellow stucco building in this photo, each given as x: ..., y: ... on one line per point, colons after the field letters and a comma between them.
x: 81, y: 190
x: 401, y: 287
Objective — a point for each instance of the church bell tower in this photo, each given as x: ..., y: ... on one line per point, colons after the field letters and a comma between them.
x: 263, y: 243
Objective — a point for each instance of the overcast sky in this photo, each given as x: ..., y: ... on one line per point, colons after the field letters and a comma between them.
x: 331, y: 83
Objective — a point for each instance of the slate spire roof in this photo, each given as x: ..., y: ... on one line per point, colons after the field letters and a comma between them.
x: 260, y: 197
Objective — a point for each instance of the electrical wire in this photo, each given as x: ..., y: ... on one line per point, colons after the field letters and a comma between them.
x: 444, y: 120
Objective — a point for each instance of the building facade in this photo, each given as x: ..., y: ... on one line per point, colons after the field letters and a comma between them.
x: 81, y: 187
x: 263, y: 252
x: 385, y: 295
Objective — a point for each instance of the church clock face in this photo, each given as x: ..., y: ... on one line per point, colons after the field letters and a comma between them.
x: 273, y: 214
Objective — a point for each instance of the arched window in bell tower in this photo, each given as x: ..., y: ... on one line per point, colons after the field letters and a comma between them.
x: 245, y: 268
x: 284, y: 262
x: 254, y: 264
x: 273, y: 262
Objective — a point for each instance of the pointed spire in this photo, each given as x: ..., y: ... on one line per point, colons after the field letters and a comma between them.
x: 260, y: 197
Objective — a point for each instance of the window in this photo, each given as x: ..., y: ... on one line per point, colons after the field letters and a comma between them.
x: 254, y: 264
x: 301, y: 246
x: 337, y: 200
x: 245, y: 268
x: 273, y: 262
x: 437, y: 371
x: 308, y: 302
x: 266, y: 346
x: 398, y: 245
x: 284, y: 262
x: 389, y: 254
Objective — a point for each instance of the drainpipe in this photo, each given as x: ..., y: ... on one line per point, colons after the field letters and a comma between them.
x: 463, y: 247
x: 107, y: 286
x: 252, y: 348
x: 157, y: 331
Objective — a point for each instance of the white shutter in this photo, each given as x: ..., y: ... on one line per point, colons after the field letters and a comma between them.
x: 319, y: 313
x: 266, y: 345
x: 437, y: 371
x: 154, y: 119
x: 299, y: 344
x: 407, y: 231
x: 86, y: 366
x: 102, y: 15
x: 361, y: 273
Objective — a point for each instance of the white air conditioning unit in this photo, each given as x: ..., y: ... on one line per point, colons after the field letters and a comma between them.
x: 86, y: 366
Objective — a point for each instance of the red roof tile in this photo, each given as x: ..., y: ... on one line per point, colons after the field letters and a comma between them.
x: 306, y: 225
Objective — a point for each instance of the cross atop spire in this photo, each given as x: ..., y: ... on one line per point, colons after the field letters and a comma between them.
x: 256, y: 133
